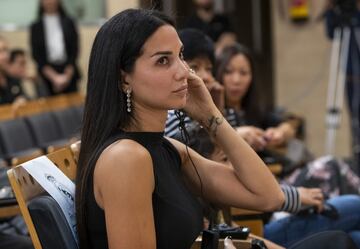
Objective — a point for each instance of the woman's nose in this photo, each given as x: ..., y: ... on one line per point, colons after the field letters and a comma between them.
x: 182, y: 71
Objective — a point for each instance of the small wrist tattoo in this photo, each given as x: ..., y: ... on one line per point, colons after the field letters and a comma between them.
x: 213, y: 123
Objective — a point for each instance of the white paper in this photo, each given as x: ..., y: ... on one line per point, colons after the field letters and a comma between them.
x: 57, y: 184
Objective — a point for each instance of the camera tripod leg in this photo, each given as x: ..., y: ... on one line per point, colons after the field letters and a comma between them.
x: 339, y: 58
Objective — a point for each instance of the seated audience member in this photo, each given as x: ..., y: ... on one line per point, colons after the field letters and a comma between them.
x: 136, y: 188
x: 10, y: 88
x: 243, y: 109
x: 199, y: 55
x: 216, y: 26
x: 17, y: 69
x: 235, y: 70
x: 341, y: 213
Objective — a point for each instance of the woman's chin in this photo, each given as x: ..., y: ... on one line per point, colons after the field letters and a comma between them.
x: 179, y: 105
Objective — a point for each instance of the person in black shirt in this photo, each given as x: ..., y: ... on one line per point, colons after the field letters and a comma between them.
x: 54, y: 44
x: 243, y: 108
x: 136, y: 188
x: 10, y: 88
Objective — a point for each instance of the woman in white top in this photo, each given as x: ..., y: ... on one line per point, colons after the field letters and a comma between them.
x: 54, y: 44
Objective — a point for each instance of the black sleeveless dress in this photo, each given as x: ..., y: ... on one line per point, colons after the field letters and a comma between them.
x: 177, y: 214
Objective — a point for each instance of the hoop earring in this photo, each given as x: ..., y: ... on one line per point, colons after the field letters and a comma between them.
x: 128, y: 100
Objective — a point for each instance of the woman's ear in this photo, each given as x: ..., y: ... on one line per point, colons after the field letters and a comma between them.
x: 125, y: 77
x: 124, y: 81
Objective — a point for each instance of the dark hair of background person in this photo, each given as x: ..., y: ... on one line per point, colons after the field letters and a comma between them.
x: 196, y: 44
x: 251, y: 103
x: 61, y: 10
x: 116, y: 47
x: 15, y: 53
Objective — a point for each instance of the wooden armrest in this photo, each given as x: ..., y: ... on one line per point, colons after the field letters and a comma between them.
x: 248, y: 218
x: 245, y: 212
x: 52, y: 148
x: 21, y: 159
x: 9, y: 211
x: 275, y: 168
x: 239, y: 244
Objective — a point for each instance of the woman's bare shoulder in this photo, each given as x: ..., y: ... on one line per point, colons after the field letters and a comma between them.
x: 120, y: 166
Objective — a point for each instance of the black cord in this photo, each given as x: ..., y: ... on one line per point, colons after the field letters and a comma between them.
x: 185, y: 137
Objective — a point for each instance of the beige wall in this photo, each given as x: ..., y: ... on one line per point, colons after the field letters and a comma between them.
x: 114, y: 6
x: 302, y: 67
x: 19, y: 39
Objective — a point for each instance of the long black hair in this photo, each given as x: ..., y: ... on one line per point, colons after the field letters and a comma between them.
x: 117, y: 45
x: 250, y: 103
x: 61, y: 10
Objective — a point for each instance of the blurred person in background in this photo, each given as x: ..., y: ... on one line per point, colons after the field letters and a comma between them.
x: 10, y: 88
x: 54, y: 44
x: 216, y: 26
x: 17, y: 69
x: 10, y: 92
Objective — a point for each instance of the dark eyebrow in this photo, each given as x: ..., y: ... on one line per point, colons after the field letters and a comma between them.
x: 166, y: 52
x: 162, y: 53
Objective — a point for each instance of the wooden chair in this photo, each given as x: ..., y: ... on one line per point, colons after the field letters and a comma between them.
x: 75, y: 99
x: 27, y: 189
x: 75, y: 149
x: 248, y: 218
x: 31, y: 108
x: 26, y: 157
x: 58, y: 102
x: 64, y: 160
x: 6, y: 112
x: 275, y: 168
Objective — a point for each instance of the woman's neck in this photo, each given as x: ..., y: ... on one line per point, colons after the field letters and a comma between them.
x: 147, y: 120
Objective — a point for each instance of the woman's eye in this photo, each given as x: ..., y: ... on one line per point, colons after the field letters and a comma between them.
x: 244, y: 72
x: 163, y: 61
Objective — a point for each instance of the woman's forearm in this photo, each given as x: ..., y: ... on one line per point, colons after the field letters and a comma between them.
x: 249, y: 168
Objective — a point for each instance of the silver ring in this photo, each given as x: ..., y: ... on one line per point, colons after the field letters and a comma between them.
x: 191, y: 70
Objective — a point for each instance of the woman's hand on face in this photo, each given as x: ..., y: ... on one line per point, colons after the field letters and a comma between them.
x: 253, y: 136
x: 199, y: 104
x: 274, y: 136
x: 311, y: 197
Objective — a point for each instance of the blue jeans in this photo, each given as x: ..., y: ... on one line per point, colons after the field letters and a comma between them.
x: 291, y: 229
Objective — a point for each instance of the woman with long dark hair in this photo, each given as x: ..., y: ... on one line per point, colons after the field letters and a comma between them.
x: 235, y: 70
x: 54, y: 45
x: 136, y: 188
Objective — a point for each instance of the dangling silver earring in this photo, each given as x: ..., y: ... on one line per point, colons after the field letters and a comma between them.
x: 128, y: 100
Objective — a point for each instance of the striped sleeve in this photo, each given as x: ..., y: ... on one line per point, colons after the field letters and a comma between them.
x: 292, y: 202
x: 172, y: 124
x: 230, y: 116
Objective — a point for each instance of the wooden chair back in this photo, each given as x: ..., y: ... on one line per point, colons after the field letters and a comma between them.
x: 26, y: 188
